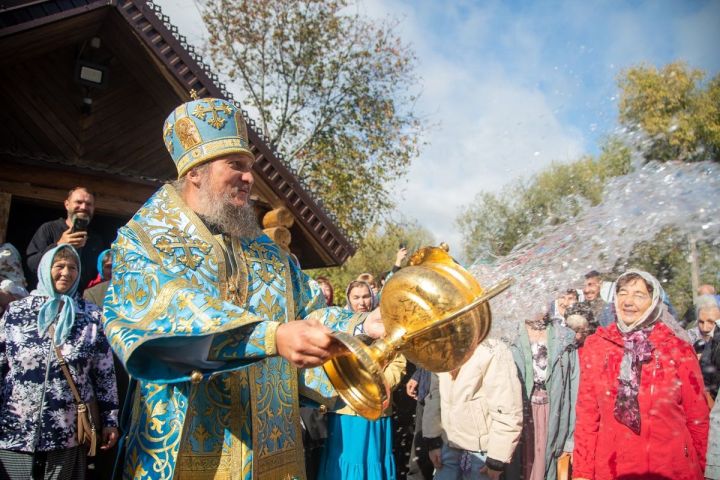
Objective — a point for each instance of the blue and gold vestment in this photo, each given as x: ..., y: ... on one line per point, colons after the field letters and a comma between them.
x: 193, y: 317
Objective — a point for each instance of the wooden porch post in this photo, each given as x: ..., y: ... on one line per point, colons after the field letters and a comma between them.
x: 5, y: 199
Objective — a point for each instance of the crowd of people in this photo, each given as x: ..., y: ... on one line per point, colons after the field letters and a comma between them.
x: 198, y: 308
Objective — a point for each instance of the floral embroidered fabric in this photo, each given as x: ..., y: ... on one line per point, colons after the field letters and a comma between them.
x: 540, y: 362
x: 23, y: 359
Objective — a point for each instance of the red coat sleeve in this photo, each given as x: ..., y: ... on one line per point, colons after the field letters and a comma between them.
x: 694, y: 401
x: 587, y: 412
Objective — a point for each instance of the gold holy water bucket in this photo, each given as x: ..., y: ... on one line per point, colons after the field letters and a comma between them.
x: 434, y: 312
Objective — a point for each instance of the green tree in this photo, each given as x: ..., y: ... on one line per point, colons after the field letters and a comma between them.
x: 377, y: 254
x: 666, y: 256
x: 332, y: 89
x: 679, y: 115
x: 495, y: 223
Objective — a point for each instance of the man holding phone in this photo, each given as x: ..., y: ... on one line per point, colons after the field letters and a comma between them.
x: 73, y: 230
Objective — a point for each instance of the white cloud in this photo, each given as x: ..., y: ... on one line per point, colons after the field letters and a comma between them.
x: 185, y: 15
x: 698, y: 37
x: 493, y: 126
x: 491, y: 131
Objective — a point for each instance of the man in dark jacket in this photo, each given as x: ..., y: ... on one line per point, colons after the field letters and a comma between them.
x: 420, y: 467
x: 80, y: 204
x: 708, y: 344
x: 591, y: 291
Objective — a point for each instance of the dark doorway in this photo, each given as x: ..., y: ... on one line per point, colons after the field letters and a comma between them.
x: 27, y: 215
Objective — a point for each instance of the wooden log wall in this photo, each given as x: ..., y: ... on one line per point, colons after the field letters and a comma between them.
x: 276, y: 225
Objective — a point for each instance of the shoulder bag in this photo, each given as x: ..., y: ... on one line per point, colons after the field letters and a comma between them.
x: 88, y: 414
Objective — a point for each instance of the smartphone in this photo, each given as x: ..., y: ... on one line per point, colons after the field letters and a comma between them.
x: 403, y: 245
x: 79, y: 224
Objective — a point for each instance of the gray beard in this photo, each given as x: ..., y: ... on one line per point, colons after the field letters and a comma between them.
x: 216, y: 209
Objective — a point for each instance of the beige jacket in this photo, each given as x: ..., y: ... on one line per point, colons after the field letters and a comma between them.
x: 481, y: 409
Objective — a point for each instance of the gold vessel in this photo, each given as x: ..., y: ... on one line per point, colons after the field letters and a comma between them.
x: 434, y: 312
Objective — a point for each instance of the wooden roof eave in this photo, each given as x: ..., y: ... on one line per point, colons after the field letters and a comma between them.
x: 183, y: 70
x: 188, y: 73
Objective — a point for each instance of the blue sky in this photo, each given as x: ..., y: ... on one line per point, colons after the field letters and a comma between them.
x: 514, y: 85
x: 571, y: 51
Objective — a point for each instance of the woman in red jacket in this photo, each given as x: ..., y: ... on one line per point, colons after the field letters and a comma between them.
x: 641, y: 410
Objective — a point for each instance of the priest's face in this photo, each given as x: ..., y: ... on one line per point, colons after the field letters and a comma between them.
x: 232, y: 177
x: 223, y: 195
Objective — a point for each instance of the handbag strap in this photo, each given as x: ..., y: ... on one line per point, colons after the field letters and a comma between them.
x: 64, y: 366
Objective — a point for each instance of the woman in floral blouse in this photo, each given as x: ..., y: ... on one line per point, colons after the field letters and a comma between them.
x: 38, y: 417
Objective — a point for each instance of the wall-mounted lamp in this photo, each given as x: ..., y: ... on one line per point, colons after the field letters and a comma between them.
x: 91, y: 71
x: 91, y: 74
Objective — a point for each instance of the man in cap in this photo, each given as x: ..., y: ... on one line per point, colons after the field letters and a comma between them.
x: 201, y: 309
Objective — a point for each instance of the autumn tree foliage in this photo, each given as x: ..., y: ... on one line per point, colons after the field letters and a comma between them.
x: 495, y: 223
x: 377, y: 253
x: 333, y: 90
x: 678, y: 113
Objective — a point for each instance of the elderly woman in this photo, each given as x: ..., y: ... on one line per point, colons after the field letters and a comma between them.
x: 641, y: 410
x: 357, y: 448
x: 547, y: 362
x: 38, y: 416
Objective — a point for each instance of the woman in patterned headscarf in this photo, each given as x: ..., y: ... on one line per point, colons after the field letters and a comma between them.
x: 641, y: 410
x: 38, y: 416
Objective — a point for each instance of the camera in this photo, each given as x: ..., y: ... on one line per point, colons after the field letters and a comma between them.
x: 79, y: 224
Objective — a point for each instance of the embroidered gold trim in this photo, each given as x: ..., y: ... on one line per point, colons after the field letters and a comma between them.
x: 239, y: 280
x: 176, y: 201
x: 290, y: 313
x: 277, y: 465
x: 356, y: 320
x: 313, y: 395
x: 270, y: 338
x: 205, y: 152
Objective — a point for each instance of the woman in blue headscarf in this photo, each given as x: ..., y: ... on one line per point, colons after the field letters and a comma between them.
x: 104, y: 268
x: 38, y: 416
x: 96, y: 289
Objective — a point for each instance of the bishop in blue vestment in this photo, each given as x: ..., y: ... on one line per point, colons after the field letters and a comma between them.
x: 202, y: 308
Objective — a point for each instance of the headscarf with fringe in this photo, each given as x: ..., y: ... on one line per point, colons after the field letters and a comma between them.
x: 638, y: 350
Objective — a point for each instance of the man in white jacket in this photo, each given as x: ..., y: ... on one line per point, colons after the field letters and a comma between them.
x: 473, y: 416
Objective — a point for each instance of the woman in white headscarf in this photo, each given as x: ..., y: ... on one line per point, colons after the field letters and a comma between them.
x: 38, y: 416
x: 641, y: 410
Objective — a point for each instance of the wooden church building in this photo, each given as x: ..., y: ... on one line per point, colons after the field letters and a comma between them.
x: 85, y: 86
